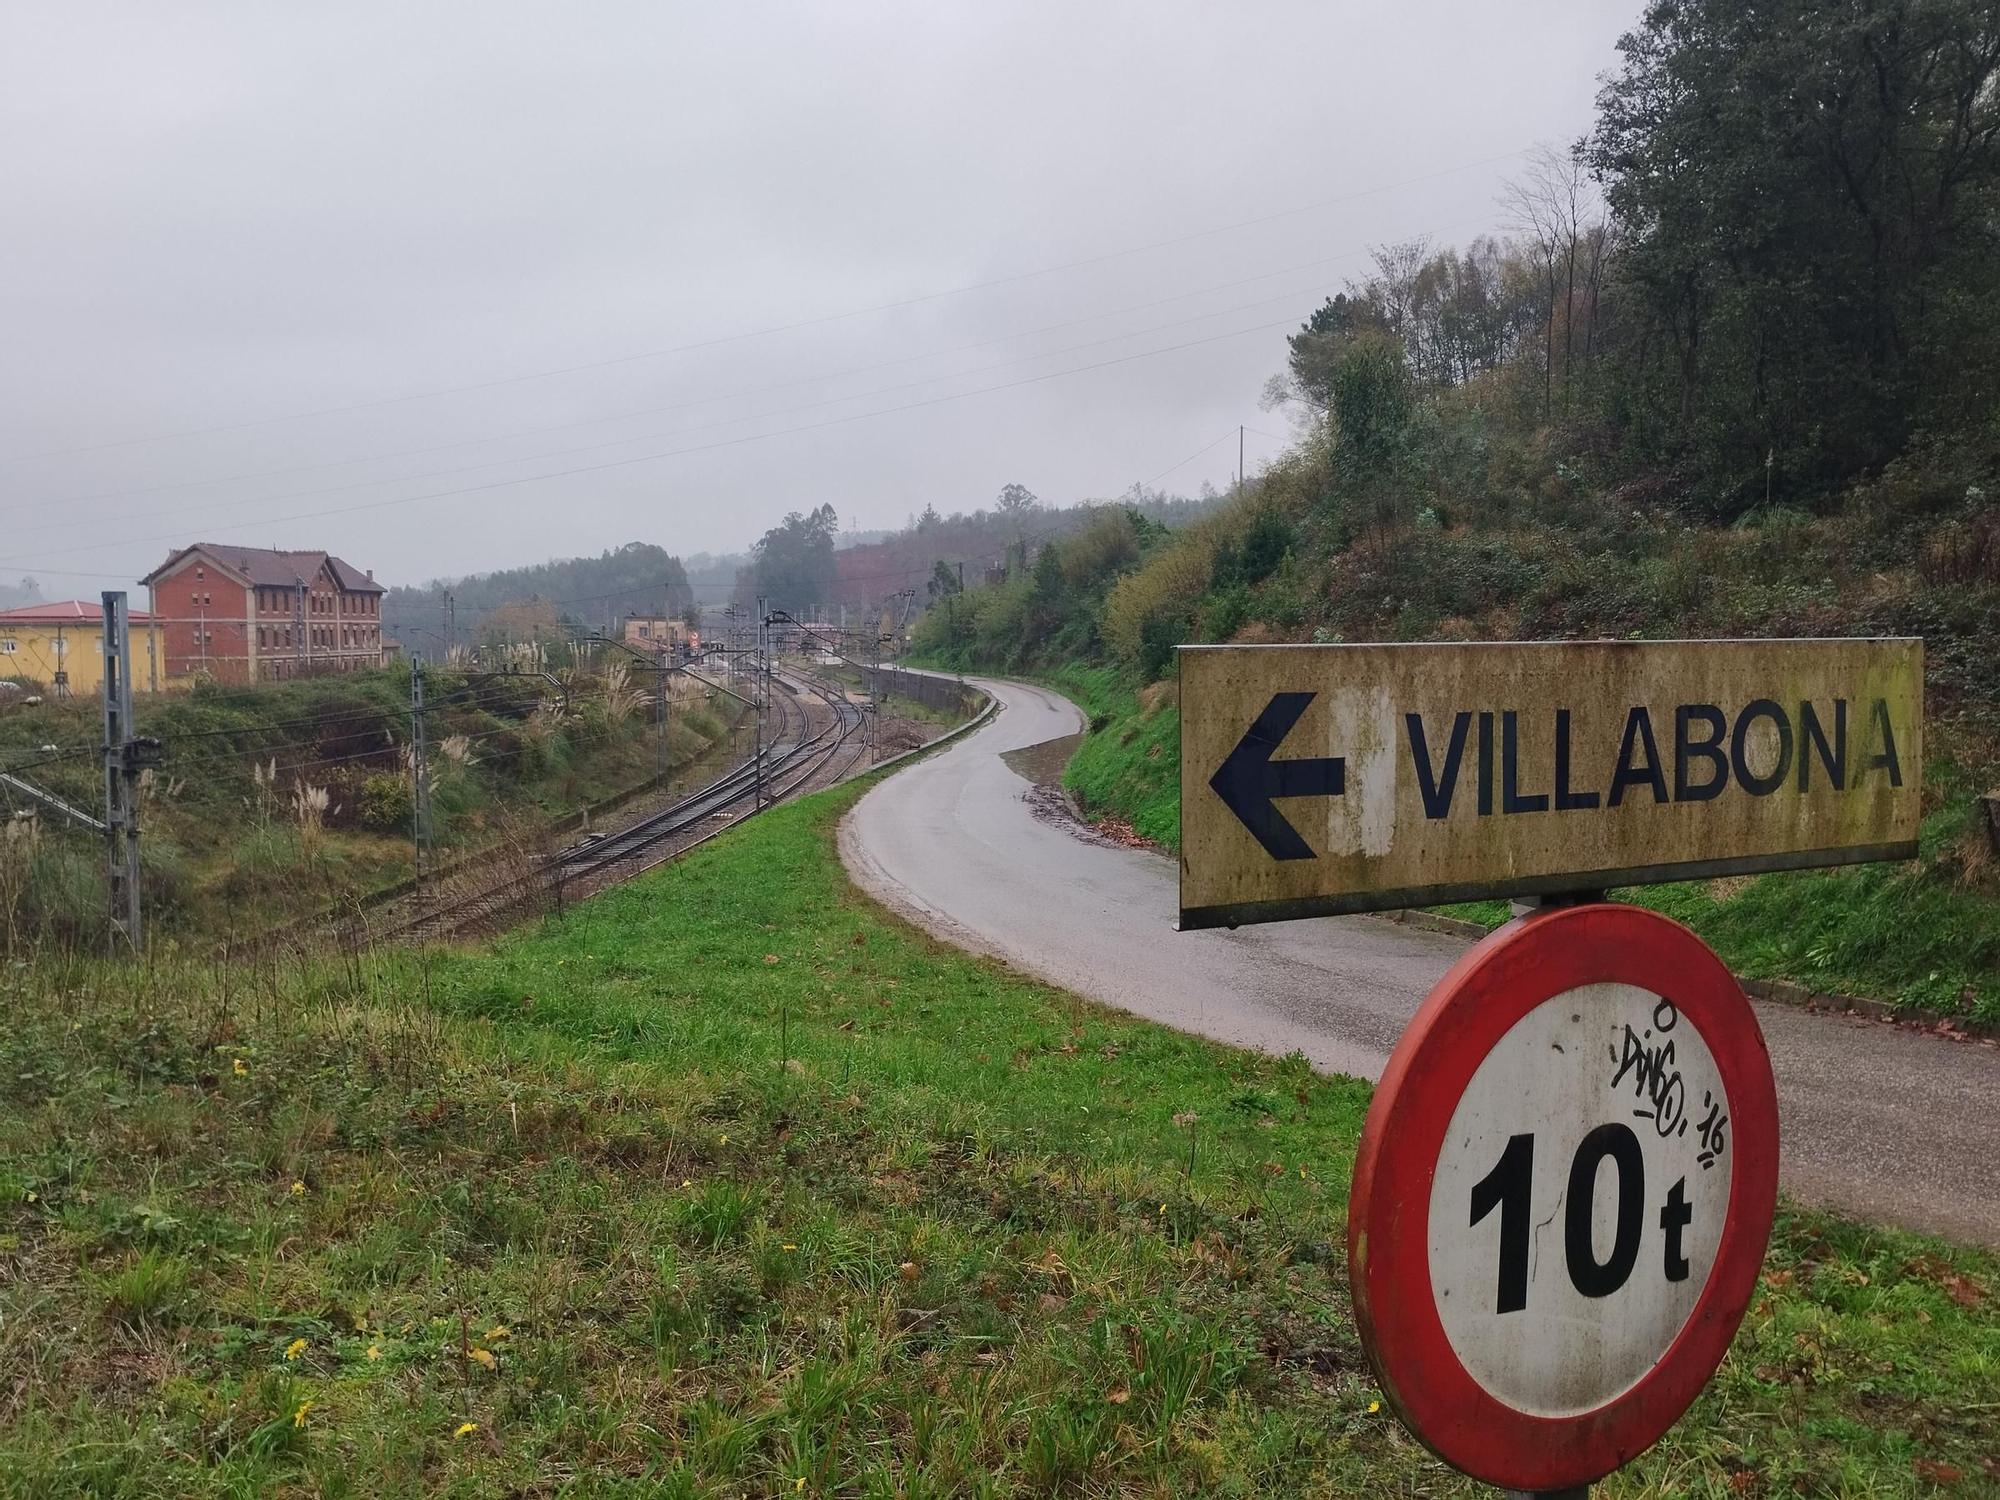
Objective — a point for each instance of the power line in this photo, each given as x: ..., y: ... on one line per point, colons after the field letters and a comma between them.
x: 1190, y: 458
x: 812, y: 322
x: 649, y: 411
x: 620, y: 463
x: 336, y: 489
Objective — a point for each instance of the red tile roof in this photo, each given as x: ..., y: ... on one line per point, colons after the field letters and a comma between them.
x: 65, y: 612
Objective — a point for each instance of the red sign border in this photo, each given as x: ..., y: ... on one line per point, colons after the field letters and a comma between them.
x: 1388, y: 1232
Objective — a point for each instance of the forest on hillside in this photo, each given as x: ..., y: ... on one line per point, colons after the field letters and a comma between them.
x: 637, y: 578
x: 1726, y: 366
x: 807, y: 565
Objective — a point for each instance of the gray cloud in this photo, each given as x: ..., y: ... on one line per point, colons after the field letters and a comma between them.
x: 218, y: 215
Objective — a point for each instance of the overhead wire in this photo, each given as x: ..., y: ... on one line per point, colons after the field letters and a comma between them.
x: 739, y: 395
x: 359, y: 484
x: 789, y: 327
x: 655, y: 457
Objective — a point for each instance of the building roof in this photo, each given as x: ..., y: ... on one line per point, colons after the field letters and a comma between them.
x: 65, y: 612
x: 267, y: 567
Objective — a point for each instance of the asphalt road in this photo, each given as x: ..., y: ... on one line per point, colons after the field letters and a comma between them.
x: 1880, y: 1122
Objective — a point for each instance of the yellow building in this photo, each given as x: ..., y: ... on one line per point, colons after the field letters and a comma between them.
x: 60, y: 647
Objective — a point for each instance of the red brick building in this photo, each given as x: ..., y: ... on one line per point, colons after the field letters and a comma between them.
x: 254, y: 614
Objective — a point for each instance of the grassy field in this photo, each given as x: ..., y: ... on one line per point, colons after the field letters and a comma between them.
x: 727, y: 1183
x: 287, y: 800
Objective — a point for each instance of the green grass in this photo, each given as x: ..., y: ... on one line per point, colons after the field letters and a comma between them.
x: 727, y: 1183
x: 1128, y: 765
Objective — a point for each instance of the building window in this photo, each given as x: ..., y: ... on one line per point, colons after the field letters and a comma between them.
x: 199, y: 575
x: 10, y: 647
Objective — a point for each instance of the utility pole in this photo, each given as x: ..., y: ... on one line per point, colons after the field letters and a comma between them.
x: 1239, y: 458
x: 875, y: 694
x: 666, y: 759
x: 125, y: 755
x: 420, y: 800
x: 450, y: 623
x: 763, y: 702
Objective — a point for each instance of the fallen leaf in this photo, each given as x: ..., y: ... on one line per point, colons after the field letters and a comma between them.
x: 1937, y: 1471
x: 1963, y: 1289
x: 1119, y: 1396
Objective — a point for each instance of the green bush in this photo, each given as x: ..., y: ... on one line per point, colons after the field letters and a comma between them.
x: 387, y: 802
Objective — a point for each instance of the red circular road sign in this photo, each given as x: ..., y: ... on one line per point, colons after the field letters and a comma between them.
x: 1563, y: 1195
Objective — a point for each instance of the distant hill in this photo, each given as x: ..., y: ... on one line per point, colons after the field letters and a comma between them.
x: 986, y: 541
x: 637, y: 578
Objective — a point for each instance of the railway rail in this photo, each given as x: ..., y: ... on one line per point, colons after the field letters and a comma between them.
x: 801, y: 755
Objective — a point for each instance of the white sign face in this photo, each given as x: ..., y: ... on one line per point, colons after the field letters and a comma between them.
x: 1579, y: 1199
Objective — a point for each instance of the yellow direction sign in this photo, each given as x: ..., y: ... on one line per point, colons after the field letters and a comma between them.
x: 1324, y: 779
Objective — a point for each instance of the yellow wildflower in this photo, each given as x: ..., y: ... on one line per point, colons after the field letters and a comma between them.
x: 295, y: 1348
x: 1373, y: 1407
x: 465, y: 1429
x: 298, y: 1189
x: 238, y: 1067
x: 799, y: 1485
x: 498, y: 1332
x: 725, y: 1140
x: 484, y: 1357
x: 299, y: 1416
x: 374, y: 1351
x: 791, y: 1247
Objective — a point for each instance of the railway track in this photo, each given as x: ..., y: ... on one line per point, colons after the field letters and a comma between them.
x: 801, y: 755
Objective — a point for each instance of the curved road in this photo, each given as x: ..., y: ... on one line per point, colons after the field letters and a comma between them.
x: 1880, y: 1122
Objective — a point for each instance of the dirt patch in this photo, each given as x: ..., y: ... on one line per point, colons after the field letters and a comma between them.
x: 1043, y: 764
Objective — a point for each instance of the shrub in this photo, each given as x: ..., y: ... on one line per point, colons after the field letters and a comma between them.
x: 387, y: 802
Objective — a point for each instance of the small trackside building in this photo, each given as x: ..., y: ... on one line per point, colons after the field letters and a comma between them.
x: 257, y: 614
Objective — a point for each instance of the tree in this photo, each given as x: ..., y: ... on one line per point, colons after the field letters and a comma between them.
x: 1017, y: 502
x: 1806, y: 197
x: 794, y: 566
x: 522, y: 622
x: 943, y: 582
x: 1316, y: 347
x: 1554, y: 204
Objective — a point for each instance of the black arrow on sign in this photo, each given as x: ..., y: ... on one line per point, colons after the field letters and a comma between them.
x: 1250, y: 778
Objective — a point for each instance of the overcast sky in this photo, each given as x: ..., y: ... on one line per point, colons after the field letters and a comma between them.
x: 332, y: 275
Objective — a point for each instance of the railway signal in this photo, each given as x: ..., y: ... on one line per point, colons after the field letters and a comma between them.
x: 1565, y: 1185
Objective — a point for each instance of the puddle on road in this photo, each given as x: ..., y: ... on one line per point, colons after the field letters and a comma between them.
x: 1043, y: 764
